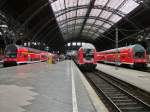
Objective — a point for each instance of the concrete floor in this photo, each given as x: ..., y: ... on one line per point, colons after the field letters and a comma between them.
x: 137, y: 78
x: 42, y: 87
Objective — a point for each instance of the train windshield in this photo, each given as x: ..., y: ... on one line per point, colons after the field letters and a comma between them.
x: 11, y: 55
x: 139, y: 51
x: 89, y: 53
x: 139, y: 55
x: 11, y: 51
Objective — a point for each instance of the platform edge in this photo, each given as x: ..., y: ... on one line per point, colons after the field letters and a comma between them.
x: 95, y: 100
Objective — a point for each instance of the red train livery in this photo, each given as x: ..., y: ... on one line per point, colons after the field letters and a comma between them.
x: 86, y: 58
x: 133, y: 55
x: 15, y: 54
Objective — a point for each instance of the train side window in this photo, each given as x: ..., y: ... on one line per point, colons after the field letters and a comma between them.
x: 123, y: 56
x: 20, y: 54
x: 24, y: 55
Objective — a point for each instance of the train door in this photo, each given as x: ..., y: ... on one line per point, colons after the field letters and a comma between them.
x: 130, y: 56
x: 80, y: 56
x: 124, y: 56
x: 22, y: 56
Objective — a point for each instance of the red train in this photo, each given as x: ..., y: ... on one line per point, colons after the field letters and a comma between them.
x: 133, y: 55
x: 15, y: 54
x: 86, y: 58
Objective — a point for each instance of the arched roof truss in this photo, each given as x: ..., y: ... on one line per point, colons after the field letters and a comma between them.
x: 90, y: 17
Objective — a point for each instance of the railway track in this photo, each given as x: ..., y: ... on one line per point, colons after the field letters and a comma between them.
x: 118, y: 99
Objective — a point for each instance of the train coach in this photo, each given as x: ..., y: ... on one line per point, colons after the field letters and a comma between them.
x: 86, y: 58
x: 133, y: 55
x: 15, y: 54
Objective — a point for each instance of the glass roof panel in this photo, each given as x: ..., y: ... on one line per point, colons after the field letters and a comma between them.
x: 62, y: 26
x: 77, y: 27
x: 100, y: 2
x: 79, y: 21
x: 62, y: 17
x: 94, y: 28
x: 94, y: 35
x: 106, y: 25
x: 56, y: 5
x: 129, y: 6
x: 84, y: 33
x: 83, y: 2
x: 87, y: 27
x: 99, y: 22
x: 90, y: 21
x: 115, y: 18
x: 81, y: 12
x: 71, y: 14
x: 97, y: 30
x: 101, y: 31
x: 71, y: 22
x: 71, y: 3
x: 105, y: 14
x: 95, y: 12
x: 115, y: 3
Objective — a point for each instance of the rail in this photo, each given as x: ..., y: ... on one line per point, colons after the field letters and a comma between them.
x: 118, y: 98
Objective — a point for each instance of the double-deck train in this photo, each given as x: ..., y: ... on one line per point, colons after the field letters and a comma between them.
x: 15, y: 54
x: 133, y: 55
x: 86, y: 57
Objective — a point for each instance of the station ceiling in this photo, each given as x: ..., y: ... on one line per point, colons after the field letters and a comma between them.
x: 90, y: 18
x: 60, y: 21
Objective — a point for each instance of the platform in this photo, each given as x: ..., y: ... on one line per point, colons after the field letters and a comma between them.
x: 43, y: 87
x: 137, y: 78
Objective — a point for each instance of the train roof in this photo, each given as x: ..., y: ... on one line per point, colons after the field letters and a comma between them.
x: 137, y: 46
x: 88, y: 46
x: 17, y: 47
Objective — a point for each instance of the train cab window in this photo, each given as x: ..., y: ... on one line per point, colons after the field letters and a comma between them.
x: 139, y: 55
x: 88, y: 53
x: 11, y: 55
x: 139, y: 51
x: 25, y: 55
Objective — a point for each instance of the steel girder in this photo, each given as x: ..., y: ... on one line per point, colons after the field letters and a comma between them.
x: 71, y: 26
x: 96, y: 26
x: 88, y: 38
x: 91, y: 5
x: 83, y: 39
x: 106, y: 8
x: 64, y: 30
x: 90, y: 17
x: 98, y: 33
x: 116, y: 9
x: 82, y: 17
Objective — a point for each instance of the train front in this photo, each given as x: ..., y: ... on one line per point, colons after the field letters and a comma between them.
x: 139, y: 54
x: 87, y: 58
x: 10, y: 55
